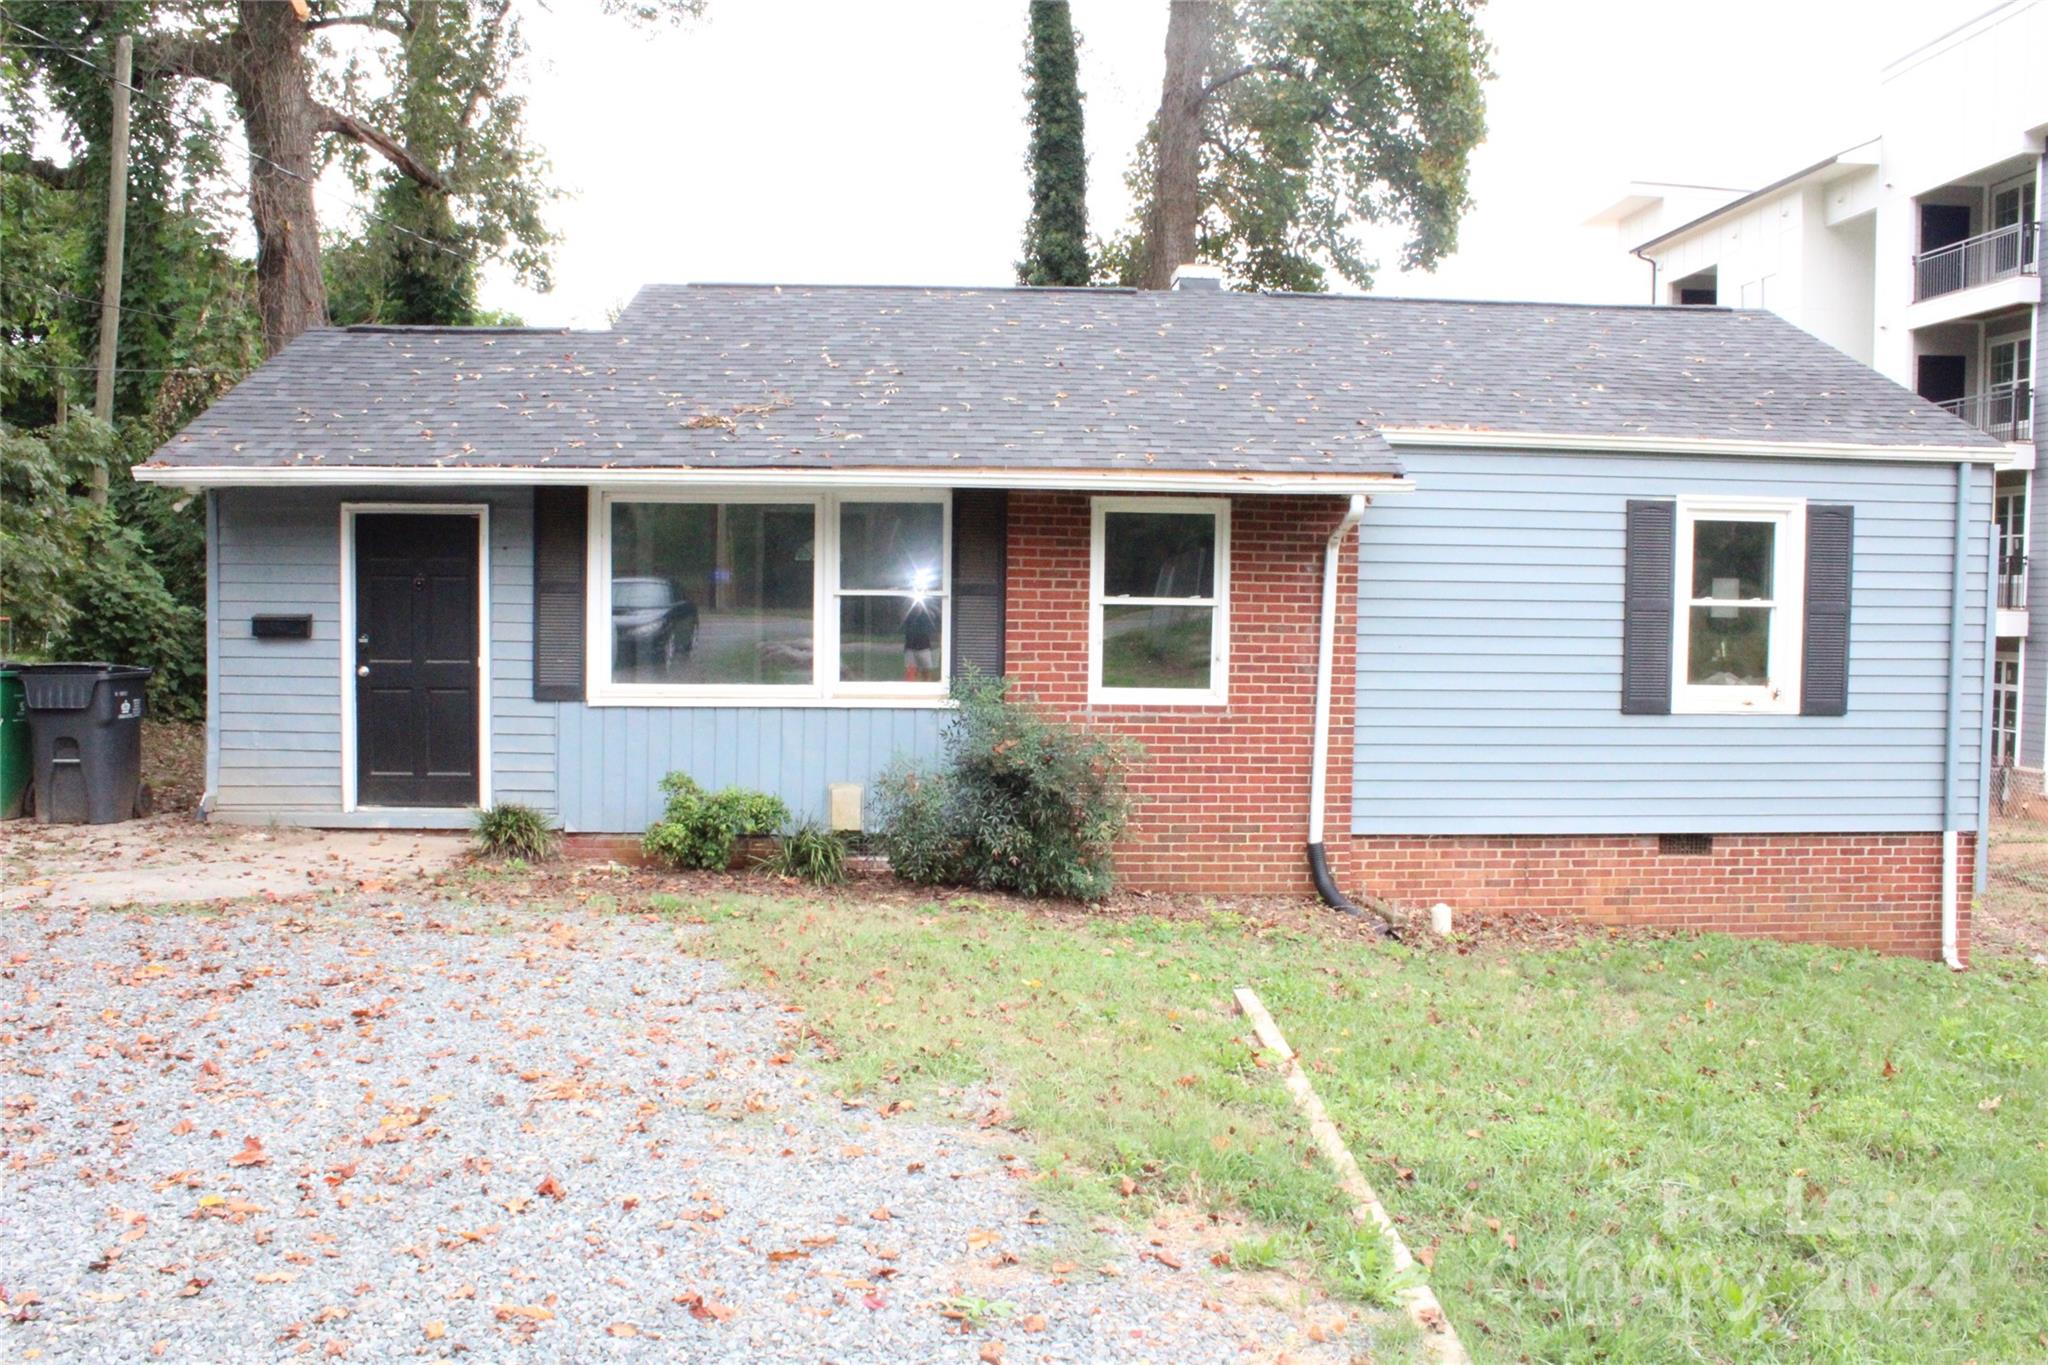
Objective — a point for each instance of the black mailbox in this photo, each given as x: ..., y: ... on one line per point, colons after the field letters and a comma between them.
x: 281, y: 627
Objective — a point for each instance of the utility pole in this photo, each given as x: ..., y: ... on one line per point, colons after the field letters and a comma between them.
x: 117, y: 232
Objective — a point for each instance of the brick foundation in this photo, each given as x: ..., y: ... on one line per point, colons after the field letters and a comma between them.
x: 1224, y: 789
x: 1879, y: 891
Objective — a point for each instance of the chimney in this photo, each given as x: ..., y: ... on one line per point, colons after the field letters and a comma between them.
x: 1191, y: 277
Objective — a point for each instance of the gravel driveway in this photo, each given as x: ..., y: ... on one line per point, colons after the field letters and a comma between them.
x: 376, y: 1132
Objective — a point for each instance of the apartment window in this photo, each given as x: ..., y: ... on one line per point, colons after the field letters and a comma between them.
x: 2005, y: 707
x: 1158, y: 628
x: 768, y: 598
x: 1738, y: 618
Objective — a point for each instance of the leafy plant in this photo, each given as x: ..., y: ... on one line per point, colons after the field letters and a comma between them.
x: 809, y: 852
x: 700, y: 829
x: 510, y: 830
x: 1022, y: 802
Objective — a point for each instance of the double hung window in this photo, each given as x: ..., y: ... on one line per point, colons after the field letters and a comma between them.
x: 1159, y: 597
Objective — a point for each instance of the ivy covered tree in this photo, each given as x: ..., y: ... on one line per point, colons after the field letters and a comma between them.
x: 1285, y: 124
x: 1056, y: 234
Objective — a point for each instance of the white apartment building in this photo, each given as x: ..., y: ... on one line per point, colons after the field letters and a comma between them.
x: 1917, y: 252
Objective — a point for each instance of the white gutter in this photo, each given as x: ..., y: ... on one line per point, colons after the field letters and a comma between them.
x: 1958, y: 585
x: 1487, y: 439
x: 596, y: 476
x: 1319, y: 748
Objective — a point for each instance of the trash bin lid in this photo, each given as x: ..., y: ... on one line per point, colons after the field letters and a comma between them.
x: 69, y: 686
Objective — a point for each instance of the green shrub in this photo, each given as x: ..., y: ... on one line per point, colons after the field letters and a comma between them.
x: 1021, y: 801
x: 811, y: 852
x: 510, y: 830
x: 700, y: 829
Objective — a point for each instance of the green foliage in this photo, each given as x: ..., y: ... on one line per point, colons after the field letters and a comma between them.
x: 1023, y: 802
x: 125, y: 614
x: 811, y: 853
x: 1322, y: 115
x: 510, y: 830
x: 1056, y: 234
x: 700, y: 829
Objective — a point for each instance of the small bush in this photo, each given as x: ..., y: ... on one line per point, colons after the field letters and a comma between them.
x: 810, y: 852
x: 510, y: 830
x: 700, y: 829
x: 1021, y: 802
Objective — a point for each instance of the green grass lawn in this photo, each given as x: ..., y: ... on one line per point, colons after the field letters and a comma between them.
x: 1621, y: 1149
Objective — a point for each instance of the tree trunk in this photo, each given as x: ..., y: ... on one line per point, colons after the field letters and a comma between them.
x: 273, y: 92
x: 1176, y: 181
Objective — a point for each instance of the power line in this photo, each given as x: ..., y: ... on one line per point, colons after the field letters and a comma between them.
x: 253, y: 154
x: 125, y: 307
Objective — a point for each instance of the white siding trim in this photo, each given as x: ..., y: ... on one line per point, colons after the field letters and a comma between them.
x: 1458, y: 438
x: 482, y: 512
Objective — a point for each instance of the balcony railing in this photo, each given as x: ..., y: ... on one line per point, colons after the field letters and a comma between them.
x: 1995, y: 255
x: 2006, y: 411
x: 2012, y: 582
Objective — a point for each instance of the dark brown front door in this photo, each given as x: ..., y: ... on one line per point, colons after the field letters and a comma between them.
x: 416, y: 659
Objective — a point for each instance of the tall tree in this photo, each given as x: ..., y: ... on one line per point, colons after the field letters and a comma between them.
x: 1056, y: 234
x: 303, y: 85
x: 1285, y: 124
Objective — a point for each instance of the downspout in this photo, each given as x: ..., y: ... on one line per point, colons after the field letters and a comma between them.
x: 1638, y: 254
x: 1981, y: 872
x: 1319, y: 754
x: 1957, y: 600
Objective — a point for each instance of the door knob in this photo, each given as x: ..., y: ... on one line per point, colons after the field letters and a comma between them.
x: 363, y: 639
x: 362, y: 670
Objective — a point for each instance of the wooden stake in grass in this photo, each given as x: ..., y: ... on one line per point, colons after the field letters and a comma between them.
x: 1439, y: 1338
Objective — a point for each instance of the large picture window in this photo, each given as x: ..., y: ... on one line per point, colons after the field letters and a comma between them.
x: 1737, y: 628
x: 1159, y: 588
x: 791, y: 599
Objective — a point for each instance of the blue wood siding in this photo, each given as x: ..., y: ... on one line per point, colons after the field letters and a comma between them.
x: 1489, y: 662
x: 276, y: 738
x: 613, y: 757
x: 277, y: 735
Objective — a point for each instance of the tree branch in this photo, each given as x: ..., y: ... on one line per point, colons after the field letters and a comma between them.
x: 48, y: 172
x: 333, y: 120
x: 181, y: 55
x: 1239, y: 74
x: 390, y: 26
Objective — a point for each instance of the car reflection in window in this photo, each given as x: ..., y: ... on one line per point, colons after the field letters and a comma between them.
x: 653, y: 625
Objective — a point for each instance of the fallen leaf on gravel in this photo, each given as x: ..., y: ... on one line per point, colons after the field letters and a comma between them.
x: 462, y: 1291
x: 531, y: 1312
x: 277, y: 1277
x: 1062, y: 1267
x: 790, y: 1255
x: 1127, y: 1187
x: 875, y: 1301
x: 706, y: 1310
x: 881, y: 1215
x: 982, y: 1237
x: 551, y: 1187
x: 252, y: 1154
x: 181, y: 1127
x: 623, y: 1329
x: 1165, y: 1258
x: 992, y: 1353
x: 331, y: 1313
x: 192, y: 1287
x: 827, y: 1240
x: 1034, y: 1322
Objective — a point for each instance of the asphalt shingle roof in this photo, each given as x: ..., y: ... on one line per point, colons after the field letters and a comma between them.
x: 751, y: 377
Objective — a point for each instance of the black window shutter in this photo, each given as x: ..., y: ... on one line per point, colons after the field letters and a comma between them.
x: 1824, y: 660
x: 981, y: 528
x: 561, y: 525
x: 1648, y: 588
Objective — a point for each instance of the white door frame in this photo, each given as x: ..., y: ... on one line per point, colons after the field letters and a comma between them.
x: 482, y: 512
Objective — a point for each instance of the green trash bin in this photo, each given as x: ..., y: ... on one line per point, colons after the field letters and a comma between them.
x: 14, y: 751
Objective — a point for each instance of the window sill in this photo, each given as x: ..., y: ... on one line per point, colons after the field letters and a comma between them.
x: 1750, y: 704
x: 1156, y: 699
x: 766, y: 701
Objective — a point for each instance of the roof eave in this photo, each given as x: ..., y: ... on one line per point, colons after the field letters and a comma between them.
x: 1995, y: 453
x: 1334, y: 484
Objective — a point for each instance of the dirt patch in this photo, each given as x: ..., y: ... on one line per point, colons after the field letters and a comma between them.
x: 174, y: 764
x: 172, y: 859
x: 2014, y: 916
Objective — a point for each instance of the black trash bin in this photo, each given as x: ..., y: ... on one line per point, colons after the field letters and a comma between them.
x: 85, y: 731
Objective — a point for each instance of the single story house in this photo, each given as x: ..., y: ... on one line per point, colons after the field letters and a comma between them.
x: 1652, y: 615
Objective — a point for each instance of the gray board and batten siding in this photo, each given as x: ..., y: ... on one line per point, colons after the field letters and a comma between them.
x: 1490, y: 657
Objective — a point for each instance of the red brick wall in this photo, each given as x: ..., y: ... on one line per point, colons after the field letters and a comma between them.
x: 1224, y: 788
x: 1878, y: 891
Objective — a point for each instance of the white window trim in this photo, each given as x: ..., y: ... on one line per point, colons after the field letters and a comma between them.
x: 824, y: 688
x: 1218, y: 692
x: 349, y: 512
x: 1780, y: 697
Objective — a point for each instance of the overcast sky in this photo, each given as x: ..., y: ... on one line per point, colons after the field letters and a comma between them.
x: 882, y: 141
